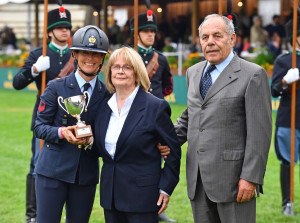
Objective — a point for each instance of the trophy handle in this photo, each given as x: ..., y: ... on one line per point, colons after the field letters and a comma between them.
x: 86, y: 96
x: 61, y: 100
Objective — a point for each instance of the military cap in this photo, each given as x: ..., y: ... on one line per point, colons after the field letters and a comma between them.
x: 289, y: 28
x: 60, y: 17
x: 145, y: 21
x: 233, y: 18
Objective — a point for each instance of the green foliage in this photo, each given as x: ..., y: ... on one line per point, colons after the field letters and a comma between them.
x: 168, y: 49
x: 190, y: 62
x: 264, y: 58
x: 172, y: 60
x: 15, y: 118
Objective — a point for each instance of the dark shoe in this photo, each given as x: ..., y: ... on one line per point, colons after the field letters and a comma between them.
x: 164, y: 217
x: 288, y: 209
x: 30, y: 220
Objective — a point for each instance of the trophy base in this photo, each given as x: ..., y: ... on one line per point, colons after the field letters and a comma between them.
x: 83, y: 131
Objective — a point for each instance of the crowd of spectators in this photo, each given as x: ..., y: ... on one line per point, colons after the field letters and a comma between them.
x: 251, y: 35
x: 8, y: 38
x: 271, y: 37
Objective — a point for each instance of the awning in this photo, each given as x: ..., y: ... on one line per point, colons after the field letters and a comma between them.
x: 3, y: 2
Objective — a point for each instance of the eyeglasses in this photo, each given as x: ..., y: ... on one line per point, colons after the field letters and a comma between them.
x: 125, y: 68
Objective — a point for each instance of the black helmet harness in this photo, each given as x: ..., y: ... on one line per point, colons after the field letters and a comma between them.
x: 85, y: 73
x: 56, y: 37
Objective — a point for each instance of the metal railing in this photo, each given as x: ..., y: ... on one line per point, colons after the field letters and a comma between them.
x: 179, y: 54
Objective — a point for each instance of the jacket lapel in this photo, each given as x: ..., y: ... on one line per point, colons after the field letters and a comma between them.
x: 96, y: 93
x: 103, y: 125
x: 227, y: 76
x: 197, y: 79
x: 134, y: 116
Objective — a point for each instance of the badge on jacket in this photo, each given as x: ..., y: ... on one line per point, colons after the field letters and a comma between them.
x: 42, y: 106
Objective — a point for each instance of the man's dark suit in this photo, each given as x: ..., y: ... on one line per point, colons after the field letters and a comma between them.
x: 131, y: 181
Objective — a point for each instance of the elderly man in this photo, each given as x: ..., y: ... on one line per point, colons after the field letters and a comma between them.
x: 228, y: 127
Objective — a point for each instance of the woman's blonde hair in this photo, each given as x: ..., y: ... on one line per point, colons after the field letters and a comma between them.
x: 132, y: 58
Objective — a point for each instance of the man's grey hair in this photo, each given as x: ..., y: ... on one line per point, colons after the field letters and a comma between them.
x: 229, y: 24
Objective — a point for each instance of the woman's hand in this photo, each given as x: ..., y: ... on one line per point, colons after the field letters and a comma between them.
x: 69, y: 134
x: 163, y: 200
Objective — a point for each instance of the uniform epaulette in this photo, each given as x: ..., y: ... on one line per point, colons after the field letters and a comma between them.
x: 59, y: 79
x: 283, y: 55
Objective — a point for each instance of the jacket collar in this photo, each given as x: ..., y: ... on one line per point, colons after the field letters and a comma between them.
x: 144, y: 50
x: 71, y: 82
x: 133, y: 118
x: 57, y: 50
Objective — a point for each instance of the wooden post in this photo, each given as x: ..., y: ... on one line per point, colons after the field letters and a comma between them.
x: 220, y: 7
x: 293, y: 103
x: 45, y: 36
x: 136, y: 20
x: 194, y: 20
x: 36, y: 32
x: 104, y: 7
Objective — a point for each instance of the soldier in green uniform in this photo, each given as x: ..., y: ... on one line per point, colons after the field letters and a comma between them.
x: 283, y: 75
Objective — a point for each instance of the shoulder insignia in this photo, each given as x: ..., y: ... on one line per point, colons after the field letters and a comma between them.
x: 42, y: 106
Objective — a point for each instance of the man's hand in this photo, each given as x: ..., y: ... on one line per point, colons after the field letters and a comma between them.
x: 42, y: 64
x: 163, y: 200
x: 164, y: 150
x: 246, y: 191
x: 291, y: 76
x: 69, y: 134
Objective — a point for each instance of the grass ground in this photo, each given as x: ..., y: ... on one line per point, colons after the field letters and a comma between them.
x: 15, y: 118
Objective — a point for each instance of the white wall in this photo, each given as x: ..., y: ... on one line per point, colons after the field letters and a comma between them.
x: 268, y: 8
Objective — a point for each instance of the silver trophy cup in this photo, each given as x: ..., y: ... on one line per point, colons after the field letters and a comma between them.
x: 74, y: 106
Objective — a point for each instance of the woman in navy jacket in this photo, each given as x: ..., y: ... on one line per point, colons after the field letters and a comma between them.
x: 134, y: 188
x: 66, y: 173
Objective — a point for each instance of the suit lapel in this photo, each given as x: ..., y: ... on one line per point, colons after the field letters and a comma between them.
x: 227, y: 76
x: 103, y: 124
x: 134, y: 116
x: 197, y: 79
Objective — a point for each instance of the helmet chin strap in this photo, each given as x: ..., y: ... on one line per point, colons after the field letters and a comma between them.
x: 57, y: 39
x: 89, y: 74
x: 144, y: 45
